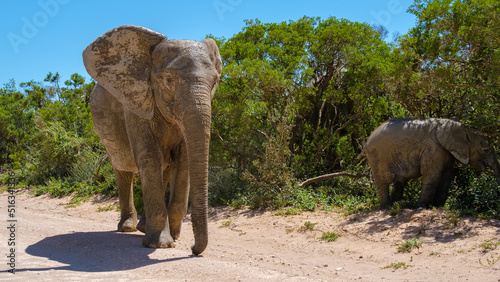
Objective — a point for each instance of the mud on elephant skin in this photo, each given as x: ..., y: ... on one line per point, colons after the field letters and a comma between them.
x: 403, y: 149
x: 152, y: 108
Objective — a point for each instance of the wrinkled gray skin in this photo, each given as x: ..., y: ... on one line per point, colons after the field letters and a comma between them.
x: 152, y: 108
x: 403, y: 149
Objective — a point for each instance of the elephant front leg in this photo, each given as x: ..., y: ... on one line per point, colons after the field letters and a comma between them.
x: 179, y: 194
x: 443, y: 187
x: 157, y: 227
x: 141, y: 226
x: 128, y: 217
x: 149, y: 159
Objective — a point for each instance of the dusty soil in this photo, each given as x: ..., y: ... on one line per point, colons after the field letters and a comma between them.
x: 55, y: 242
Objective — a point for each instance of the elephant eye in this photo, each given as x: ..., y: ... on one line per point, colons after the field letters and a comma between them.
x: 216, y: 81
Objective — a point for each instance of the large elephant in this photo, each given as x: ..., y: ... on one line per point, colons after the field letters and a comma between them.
x: 403, y: 149
x: 152, y: 109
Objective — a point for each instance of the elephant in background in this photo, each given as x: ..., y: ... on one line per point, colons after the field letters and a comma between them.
x: 151, y: 108
x: 403, y: 149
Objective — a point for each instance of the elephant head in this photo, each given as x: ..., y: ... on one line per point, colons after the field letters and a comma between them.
x: 147, y: 73
x: 468, y: 146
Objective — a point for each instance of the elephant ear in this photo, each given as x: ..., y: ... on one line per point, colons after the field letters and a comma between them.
x: 452, y: 136
x: 214, y: 54
x: 120, y: 61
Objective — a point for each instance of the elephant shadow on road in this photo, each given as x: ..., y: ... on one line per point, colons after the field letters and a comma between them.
x: 95, y: 252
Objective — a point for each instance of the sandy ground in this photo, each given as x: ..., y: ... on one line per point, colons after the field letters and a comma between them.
x: 55, y: 242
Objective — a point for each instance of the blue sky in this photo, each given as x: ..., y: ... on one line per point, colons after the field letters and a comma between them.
x: 41, y: 36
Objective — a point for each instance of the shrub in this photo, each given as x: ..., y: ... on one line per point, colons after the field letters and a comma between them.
x: 475, y: 193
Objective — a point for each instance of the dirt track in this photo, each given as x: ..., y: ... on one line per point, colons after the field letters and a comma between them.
x: 55, y: 243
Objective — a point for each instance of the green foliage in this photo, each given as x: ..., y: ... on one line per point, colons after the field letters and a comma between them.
x: 408, y: 245
x: 396, y: 208
x: 56, y: 152
x: 225, y: 187
x: 296, y: 99
x: 288, y: 211
x: 138, y: 201
x: 329, y: 236
x: 447, y: 65
x: 397, y: 265
x: 475, y: 193
x: 410, y: 197
x: 17, y: 124
x: 273, y: 177
x: 63, y: 187
x: 489, y: 245
x: 48, y: 138
x: 490, y: 262
x: 308, y: 226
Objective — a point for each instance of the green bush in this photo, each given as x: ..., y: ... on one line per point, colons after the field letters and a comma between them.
x: 475, y: 193
x: 225, y: 186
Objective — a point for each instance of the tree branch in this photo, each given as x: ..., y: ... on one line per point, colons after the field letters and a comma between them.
x: 328, y: 176
x: 99, y: 166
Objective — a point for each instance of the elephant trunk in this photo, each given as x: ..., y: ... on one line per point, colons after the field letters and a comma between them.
x: 196, y: 127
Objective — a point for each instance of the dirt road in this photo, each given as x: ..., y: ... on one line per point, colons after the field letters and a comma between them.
x: 56, y: 243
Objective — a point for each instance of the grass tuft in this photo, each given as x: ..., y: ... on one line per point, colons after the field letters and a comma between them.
x: 409, y: 245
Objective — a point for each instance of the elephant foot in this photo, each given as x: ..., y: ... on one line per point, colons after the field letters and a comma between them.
x: 384, y: 200
x: 141, y: 226
x: 159, y: 239
x: 127, y: 224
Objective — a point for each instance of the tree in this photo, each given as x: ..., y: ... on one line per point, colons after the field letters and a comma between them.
x: 16, y: 121
x: 42, y: 137
x: 448, y: 65
x: 296, y: 98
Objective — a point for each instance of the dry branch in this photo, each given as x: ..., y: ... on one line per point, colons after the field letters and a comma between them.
x: 99, y: 166
x: 328, y: 176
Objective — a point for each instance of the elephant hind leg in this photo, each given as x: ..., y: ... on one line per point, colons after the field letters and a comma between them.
x: 429, y: 187
x: 128, y: 217
x: 141, y: 226
x: 382, y: 186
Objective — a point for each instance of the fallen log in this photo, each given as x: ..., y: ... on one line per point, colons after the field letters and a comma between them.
x: 328, y: 176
